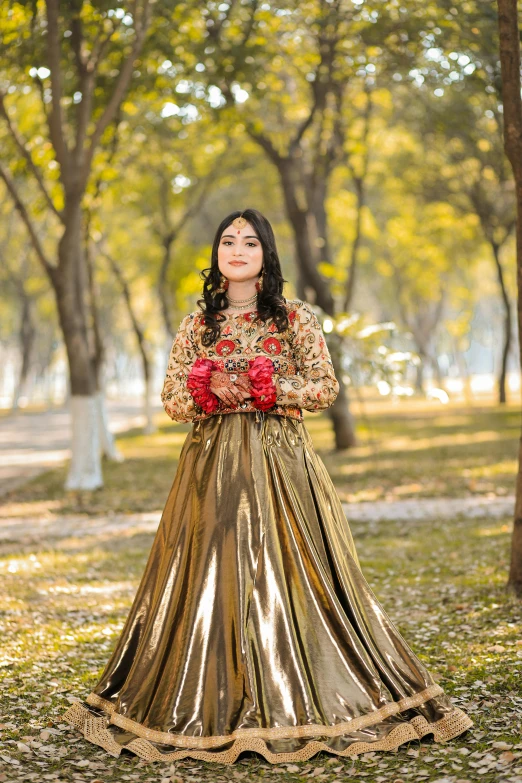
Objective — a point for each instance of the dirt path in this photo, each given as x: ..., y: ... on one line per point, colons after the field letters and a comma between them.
x: 33, y: 442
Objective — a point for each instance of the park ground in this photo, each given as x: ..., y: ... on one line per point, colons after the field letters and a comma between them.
x: 70, y: 565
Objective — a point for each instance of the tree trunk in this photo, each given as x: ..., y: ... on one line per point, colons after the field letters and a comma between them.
x: 163, y: 289
x: 107, y: 440
x: 305, y: 235
x: 436, y: 369
x: 27, y: 334
x: 108, y: 446
x: 507, y: 325
x: 463, y: 368
x: 150, y: 427
x: 85, y: 468
x: 419, y: 375
x: 354, y: 260
x: 510, y: 69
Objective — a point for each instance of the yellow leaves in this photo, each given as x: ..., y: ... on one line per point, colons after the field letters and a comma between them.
x: 383, y: 268
x: 131, y: 108
x: 190, y: 284
x: 331, y: 272
x: 459, y: 324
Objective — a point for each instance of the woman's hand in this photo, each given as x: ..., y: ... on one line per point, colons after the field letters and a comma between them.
x: 230, y: 392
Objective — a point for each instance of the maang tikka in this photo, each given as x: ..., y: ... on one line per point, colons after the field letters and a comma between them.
x: 239, y: 222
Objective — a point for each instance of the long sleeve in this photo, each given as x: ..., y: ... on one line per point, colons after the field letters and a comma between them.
x: 176, y: 398
x: 315, y: 387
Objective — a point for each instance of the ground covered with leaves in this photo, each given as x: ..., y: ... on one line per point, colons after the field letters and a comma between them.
x: 451, y: 451
x: 64, y: 601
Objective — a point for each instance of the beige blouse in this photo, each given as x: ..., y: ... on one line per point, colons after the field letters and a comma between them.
x: 304, y: 374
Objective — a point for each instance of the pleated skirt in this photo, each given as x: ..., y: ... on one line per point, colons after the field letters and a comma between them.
x: 253, y: 627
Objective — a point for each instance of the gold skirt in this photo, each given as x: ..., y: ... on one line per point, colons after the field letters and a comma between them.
x: 253, y: 627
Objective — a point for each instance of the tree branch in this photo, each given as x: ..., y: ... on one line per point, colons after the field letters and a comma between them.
x: 100, y: 45
x: 266, y: 144
x: 27, y: 155
x: 55, y: 118
x: 122, y: 82
x: 24, y: 214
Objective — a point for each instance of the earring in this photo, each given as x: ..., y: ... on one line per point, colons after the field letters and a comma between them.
x: 259, y: 283
x: 223, y: 284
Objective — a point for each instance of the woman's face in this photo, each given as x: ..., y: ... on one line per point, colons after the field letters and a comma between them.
x: 240, y: 253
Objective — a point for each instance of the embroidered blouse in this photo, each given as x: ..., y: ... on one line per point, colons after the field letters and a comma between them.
x: 303, y: 371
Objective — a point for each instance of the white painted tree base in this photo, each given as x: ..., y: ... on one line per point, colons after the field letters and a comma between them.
x: 85, y: 469
x: 107, y: 442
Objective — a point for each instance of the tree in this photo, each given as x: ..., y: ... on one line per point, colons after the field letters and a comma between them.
x: 511, y: 87
x: 89, y: 52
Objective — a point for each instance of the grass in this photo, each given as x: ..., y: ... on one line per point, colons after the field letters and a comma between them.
x: 442, y: 581
x: 451, y: 451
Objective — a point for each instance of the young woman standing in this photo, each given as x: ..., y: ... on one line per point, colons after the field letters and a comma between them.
x: 253, y: 627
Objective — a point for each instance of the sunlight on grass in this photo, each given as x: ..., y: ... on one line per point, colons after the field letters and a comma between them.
x: 401, y: 453
x: 495, y: 531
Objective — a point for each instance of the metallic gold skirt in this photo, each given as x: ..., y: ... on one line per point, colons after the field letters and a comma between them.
x: 253, y: 627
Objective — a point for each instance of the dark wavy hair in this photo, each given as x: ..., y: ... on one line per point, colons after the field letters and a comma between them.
x: 270, y: 300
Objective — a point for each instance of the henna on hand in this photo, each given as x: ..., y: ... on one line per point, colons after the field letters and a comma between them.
x: 230, y: 392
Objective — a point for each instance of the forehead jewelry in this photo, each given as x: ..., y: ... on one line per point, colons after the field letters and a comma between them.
x: 239, y: 222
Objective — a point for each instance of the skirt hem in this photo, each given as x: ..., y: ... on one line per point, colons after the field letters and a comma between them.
x: 95, y: 730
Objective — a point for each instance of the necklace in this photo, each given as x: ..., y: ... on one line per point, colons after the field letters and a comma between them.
x: 243, y: 307
x: 235, y: 303
x: 240, y: 301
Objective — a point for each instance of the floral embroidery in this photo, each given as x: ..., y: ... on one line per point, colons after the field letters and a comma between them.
x: 224, y: 347
x: 272, y: 345
x: 303, y: 373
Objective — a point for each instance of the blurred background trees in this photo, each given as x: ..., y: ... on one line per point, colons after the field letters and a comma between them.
x: 369, y: 133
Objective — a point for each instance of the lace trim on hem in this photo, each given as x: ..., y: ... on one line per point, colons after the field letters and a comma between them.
x: 95, y: 730
x: 276, y: 732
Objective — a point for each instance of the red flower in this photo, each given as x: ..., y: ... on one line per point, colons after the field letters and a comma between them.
x: 261, y: 378
x: 198, y: 383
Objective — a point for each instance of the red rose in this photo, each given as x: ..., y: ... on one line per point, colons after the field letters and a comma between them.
x: 263, y: 387
x: 198, y: 383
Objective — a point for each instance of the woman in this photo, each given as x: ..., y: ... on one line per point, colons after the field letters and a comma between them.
x: 253, y: 628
